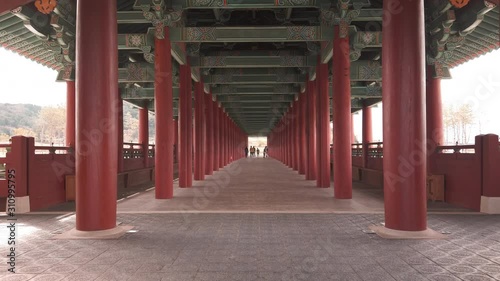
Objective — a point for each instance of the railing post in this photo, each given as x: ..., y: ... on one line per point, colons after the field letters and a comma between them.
x: 17, y: 160
x: 490, y: 163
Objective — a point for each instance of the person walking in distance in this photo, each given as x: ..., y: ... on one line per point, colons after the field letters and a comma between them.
x: 246, y: 151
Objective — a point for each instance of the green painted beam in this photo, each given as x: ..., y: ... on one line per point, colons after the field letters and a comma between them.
x: 145, y: 42
x: 359, y: 40
x: 254, y: 4
x: 251, y: 34
x: 138, y: 93
x: 366, y: 71
x: 253, y: 61
x: 254, y: 71
x: 136, y: 73
x: 256, y: 98
x: 254, y: 105
x: 131, y: 17
x: 254, y: 79
x: 251, y: 89
x: 256, y: 53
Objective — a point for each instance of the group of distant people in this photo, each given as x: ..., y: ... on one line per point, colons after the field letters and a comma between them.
x: 254, y: 151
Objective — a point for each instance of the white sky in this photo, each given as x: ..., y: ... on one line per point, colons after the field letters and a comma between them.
x: 476, y: 82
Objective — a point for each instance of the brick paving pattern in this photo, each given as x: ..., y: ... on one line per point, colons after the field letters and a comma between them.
x: 312, y: 240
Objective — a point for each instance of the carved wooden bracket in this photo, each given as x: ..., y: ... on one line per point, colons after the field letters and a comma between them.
x: 157, y: 14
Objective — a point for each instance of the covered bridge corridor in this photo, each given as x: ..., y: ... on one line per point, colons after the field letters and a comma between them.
x: 215, y: 72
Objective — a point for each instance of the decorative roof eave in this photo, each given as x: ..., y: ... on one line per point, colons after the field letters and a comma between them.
x: 6, y: 6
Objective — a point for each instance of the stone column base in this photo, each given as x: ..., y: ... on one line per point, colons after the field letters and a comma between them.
x: 21, y: 206
x: 490, y: 205
x: 113, y: 233
x: 388, y: 233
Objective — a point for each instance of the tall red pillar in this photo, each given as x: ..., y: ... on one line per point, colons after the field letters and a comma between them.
x: 216, y: 134
x: 209, y: 149
x: 323, y: 126
x: 186, y: 127
x: 70, y: 114
x: 176, y: 140
x: 96, y: 120
x: 200, y: 141
x: 119, y: 114
x: 311, y: 130
x: 367, y: 132
x: 226, y: 143
x: 295, y: 136
x: 164, y: 114
x: 289, y: 137
x: 144, y: 134
x: 434, y: 108
x: 353, y: 136
x: 222, y: 139
x: 342, y: 143
x: 404, y: 117
x: 302, y: 134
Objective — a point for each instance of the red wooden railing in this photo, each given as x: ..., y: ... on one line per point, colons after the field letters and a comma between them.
x: 464, y: 149
x: 4, y: 148
x: 376, y: 149
x: 132, y: 150
x: 51, y: 150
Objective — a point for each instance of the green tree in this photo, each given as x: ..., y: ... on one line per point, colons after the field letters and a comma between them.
x: 50, y: 125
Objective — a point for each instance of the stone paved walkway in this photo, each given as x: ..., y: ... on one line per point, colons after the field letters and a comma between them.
x: 257, y: 247
x: 275, y: 226
x: 262, y: 185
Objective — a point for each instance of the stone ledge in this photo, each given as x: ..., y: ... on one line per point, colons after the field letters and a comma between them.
x: 490, y: 205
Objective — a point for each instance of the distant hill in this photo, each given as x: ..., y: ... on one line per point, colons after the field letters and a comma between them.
x: 47, y: 123
x: 17, y: 116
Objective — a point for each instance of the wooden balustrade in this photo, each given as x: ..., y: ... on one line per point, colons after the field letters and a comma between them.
x: 53, y: 150
x: 357, y: 150
x: 132, y: 150
x: 4, y: 148
x: 151, y: 151
x: 376, y: 150
x: 462, y: 149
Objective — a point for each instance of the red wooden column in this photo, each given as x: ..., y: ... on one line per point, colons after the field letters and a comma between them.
x: 200, y: 140
x: 226, y: 138
x: 296, y: 124
x: 434, y: 108
x: 144, y: 134
x: 209, y: 150
x: 342, y: 143
x: 323, y: 126
x: 96, y: 120
x: 119, y: 114
x: 311, y: 130
x: 367, y: 132
x: 216, y: 134
x: 176, y: 139
x: 353, y: 137
x: 164, y: 125
x: 404, y: 117
x: 224, y: 123
x: 295, y: 136
x: 289, y: 138
x: 221, y: 138
x: 70, y: 113
x: 302, y: 134
x: 186, y: 128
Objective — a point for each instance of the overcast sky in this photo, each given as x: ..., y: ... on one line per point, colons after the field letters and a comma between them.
x: 476, y: 82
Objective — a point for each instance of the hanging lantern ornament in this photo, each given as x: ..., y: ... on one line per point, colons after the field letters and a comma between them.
x: 46, y: 6
x: 459, y: 3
